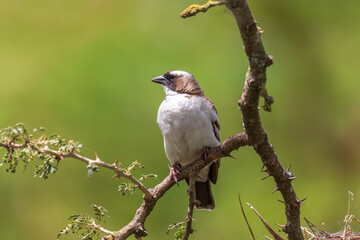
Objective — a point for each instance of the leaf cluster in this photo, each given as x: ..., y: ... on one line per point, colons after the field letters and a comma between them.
x: 24, y: 147
x: 129, y: 188
x: 180, y: 229
x: 86, y: 227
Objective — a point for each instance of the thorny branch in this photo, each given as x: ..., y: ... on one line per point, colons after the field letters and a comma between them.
x: 61, y: 155
x: 254, y: 87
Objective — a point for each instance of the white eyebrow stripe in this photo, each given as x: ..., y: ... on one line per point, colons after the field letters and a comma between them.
x: 181, y: 73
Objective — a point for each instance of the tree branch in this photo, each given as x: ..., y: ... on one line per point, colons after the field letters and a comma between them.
x: 119, y: 171
x: 254, y: 86
x: 61, y: 155
x: 191, y: 192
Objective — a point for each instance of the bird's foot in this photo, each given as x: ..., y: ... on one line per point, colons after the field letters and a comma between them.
x: 206, y: 151
x: 174, y: 171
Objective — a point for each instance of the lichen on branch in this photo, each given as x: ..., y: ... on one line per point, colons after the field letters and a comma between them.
x: 194, y: 9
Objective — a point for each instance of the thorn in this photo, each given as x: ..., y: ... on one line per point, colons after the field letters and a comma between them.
x: 264, y: 170
x: 302, y: 201
x: 229, y: 155
x: 288, y: 169
x: 281, y: 201
x: 116, y: 160
x: 268, y: 175
x: 292, y: 178
x: 97, y: 157
x: 276, y: 189
x: 117, y: 176
x: 282, y: 226
x: 44, y: 141
x: 36, y: 140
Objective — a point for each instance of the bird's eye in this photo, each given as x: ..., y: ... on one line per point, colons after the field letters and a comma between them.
x: 171, y: 77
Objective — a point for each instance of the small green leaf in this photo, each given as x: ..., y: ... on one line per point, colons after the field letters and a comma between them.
x: 133, y: 165
x: 147, y: 176
x: 180, y: 233
x: 127, y: 188
x: 180, y: 230
x: 40, y: 129
x: 74, y: 217
x: 86, y: 227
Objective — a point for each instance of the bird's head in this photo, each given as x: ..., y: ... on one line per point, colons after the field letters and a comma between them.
x: 176, y: 81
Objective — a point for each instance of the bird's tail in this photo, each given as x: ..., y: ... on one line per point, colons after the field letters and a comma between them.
x: 204, y: 195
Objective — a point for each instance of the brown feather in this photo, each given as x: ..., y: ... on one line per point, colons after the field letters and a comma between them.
x: 188, y: 85
x: 204, y: 195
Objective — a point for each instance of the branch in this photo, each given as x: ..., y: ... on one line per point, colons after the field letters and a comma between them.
x: 191, y: 192
x: 254, y: 87
x: 34, y: 145
x: 119, y: 171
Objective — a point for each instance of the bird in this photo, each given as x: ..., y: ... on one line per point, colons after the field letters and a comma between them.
x: 189, y: 124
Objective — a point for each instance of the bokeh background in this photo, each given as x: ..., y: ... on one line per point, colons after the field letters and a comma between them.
x: 82, y: 69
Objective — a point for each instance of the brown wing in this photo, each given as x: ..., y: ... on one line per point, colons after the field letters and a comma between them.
x: 214, y: 167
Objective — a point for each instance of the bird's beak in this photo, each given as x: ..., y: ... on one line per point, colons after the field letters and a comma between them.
x: 159, y: 79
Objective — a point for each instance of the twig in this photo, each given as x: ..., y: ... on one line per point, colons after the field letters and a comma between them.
x: 311, y: 225
x: 243, y: 212
x: 100, y: 163
x: 194, y: 9
x: 271, y: 231
x: 172, y: 226
x: 61, y: 155
x: 101, y: 229
x: 348, y: 217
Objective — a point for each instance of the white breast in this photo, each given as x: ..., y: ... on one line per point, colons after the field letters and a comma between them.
x: 186, y: 124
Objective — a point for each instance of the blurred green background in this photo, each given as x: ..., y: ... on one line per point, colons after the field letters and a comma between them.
x: 82, y: 69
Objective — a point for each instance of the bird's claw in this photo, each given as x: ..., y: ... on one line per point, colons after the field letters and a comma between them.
x: 174, y: 171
